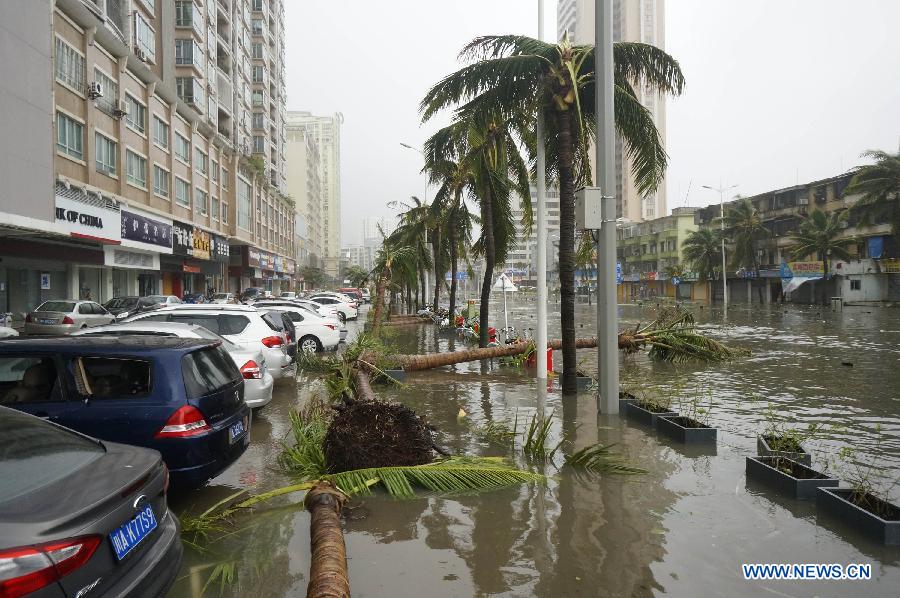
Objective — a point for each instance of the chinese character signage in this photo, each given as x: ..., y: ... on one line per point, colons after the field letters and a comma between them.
x: 201, y: 244
x: 182, y: 238
x: 146, y: 233
x: 220, y: 250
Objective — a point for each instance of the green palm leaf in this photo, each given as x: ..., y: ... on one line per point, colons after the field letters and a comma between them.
x: 599, y: 458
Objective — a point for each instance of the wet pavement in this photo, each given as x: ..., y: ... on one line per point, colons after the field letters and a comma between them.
x: 683, y: 529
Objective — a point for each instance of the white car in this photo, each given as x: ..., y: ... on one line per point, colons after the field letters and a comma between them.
x: 313, y: 332
x: 251, y: 362
x: 288, y: 295
x: 223, y: 298
x: 241, y: 324
x: 367, y: 295
x: 345, y: 306
x: 326, y: 312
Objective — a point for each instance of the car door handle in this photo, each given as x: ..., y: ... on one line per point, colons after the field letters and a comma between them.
x: 43, y: 415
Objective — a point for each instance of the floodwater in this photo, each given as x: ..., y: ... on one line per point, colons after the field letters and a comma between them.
x: 683, y: 529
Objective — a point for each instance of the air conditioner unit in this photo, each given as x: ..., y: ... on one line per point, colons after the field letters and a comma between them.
x: 121, y: 109
x: 95, y: 90
x: 141, y: 55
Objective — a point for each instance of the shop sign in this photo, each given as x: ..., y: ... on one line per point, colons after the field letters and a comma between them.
x: 290, y: 266
x: 220, y: 249
x: 45, y: 281
x: 648, y: 275
x: 265, y: 260
x: 253, y: 257
x: 201, y: 243
x: 191, y: 269
x: 143, y: 232
x: 182, y: 238
x: 890, y: 265
x: 85, y: 221
x: 802, y: 270
x: 118, y: 257
x: 690, y: 276
x: 277, y: 263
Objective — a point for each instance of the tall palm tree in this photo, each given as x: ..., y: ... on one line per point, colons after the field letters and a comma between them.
x: 879, y: 184
x: 412, y: 231
x: 743, y: 227
x: 518, y: 77
x: 702, y: 249
x: 820, y: 236
x: 388, y: 255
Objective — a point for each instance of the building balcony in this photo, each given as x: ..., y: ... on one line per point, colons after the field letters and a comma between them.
x: 225, y: 91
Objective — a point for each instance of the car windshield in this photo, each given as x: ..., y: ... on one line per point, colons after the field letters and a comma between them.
x: 35, y: 453
x: 63, y: 306
x: 220, y: 296
x: 204, y: 333
x: 157, y: 298
x: 120, y: 302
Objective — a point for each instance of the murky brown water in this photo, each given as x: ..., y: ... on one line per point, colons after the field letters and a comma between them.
x: 682, y: 530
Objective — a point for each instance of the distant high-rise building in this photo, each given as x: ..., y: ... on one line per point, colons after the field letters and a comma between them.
x: 304, y: 184
x: 326, y: 132
x: 633, y: 21
x: 371, y: 225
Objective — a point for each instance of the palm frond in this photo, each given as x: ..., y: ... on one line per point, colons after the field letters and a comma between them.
x: 599, y: 458
x: 305, y: 458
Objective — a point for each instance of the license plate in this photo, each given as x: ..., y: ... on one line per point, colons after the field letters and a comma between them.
x: 50, y: 322
x: 236, y: 430
x: 129, y: 535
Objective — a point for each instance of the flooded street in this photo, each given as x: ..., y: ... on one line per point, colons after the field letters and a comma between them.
x: 683, y: 529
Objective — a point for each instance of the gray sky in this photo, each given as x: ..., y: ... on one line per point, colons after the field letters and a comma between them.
x: 776, y: 89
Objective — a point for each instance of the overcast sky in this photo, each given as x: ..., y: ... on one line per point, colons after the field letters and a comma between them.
x: 777, y: 90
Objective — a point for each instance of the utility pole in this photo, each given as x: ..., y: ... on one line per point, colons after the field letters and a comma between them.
x: 722, y: 191
x: 607, y: 316
x: 540, y: 341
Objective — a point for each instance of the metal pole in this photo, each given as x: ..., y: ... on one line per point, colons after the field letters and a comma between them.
x: 540, y: 341
x: 505, y: 317
x: 724, y: 272
x: 607, y: 318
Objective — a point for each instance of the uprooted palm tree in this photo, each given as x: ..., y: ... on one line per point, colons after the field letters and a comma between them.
x: 879, y: 185
x: 821, y: 236
x: 516, y: 78
x: 703, y: 251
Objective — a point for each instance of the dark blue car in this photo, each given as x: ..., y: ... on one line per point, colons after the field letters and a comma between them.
x: 182, y: 397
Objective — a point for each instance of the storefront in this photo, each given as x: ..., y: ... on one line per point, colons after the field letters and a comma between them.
x: 198, y: 262
x: 136, y: 262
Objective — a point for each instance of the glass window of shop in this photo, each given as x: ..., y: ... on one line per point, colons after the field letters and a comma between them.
x: 22, y: 290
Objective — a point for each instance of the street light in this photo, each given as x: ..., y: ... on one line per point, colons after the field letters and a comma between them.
x: 722, y: 191
x: 424, y: 200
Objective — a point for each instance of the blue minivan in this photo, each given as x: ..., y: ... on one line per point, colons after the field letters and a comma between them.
x: 182, y: 397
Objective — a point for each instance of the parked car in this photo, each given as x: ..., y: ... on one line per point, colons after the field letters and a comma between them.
x: 288, y: 295
x: 122, y: 307
x: 63, y: 317
x: 241, y: 324
x: 7, y: 332
x: 182, y: 397
x: 327, y: 313
x: 251, y: 362
x: 81, y: 516
x: 345, y: 306
x: 313, y: 333
x: 353, y: 293
x: 282, y: 323
x: 164, y: 300
x: 366, y: 294
x: 220, y: 298
x: 252, y: 293
x: 193, y: 298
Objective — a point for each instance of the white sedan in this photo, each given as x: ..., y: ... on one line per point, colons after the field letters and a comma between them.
x: 313, y: 332
x: 258, y: 382
x: 345, y: 306
x: 326, y: 312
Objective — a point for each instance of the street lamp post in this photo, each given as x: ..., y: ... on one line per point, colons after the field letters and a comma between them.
x: 424, y: 200
x: 722, y: 191
x: 541, y: 184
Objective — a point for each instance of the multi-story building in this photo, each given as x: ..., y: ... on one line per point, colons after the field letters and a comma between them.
x: 304, y: 185
x: 634, y: 21
x: 360, y: 256
x: 872, y: 275
x: 326, y: 131
x: 167, y: 172
x: 523, y: 254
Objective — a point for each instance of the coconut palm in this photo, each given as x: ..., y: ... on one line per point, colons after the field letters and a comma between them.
x: 412, y: 231
x: 518, y: 77
x: 703, y: 251
x: 384, y: 264
x: 743, y: 227
x: 879, y: 184
x: 357, y: 276
x: 820, y: 236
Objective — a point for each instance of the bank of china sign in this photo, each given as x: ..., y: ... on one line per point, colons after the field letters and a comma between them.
x: 85, y: 221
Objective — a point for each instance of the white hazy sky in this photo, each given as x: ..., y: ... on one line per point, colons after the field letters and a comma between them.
x: 777, y: 90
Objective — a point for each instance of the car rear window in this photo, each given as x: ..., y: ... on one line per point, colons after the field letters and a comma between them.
x: 35, y: 453
x: 207, y: 371
x: 273, y: 319
x: 63, y: 306
x: 121, y: 302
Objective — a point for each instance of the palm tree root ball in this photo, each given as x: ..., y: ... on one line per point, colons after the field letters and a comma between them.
x: 365, y: 434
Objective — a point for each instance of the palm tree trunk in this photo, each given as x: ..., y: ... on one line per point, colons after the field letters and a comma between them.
x: 566, y: 157
x: 487, y: 226
x: 422, y: 285
x: 379, y: 302
x: 438, y: 265
x: 453, y: 266
x: 824, y: 279
x: 412, y: 363
x: 408, y: 298
x: 328, y: 563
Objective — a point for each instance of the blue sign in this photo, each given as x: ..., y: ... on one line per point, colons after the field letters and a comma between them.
x: 619, y: 273
x: 676, y: 281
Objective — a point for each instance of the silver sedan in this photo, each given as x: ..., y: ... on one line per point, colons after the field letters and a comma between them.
x: 63, y: 317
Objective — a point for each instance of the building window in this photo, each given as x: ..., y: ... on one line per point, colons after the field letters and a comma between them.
x: 107, y: 102
x: 201, y: 161
x: 182, y: 148
x: 182, y: 192
x: 190, y: 91
x: 258, y: 50
x: 160, y: 132
x: 257, y: 26
x: 106, y: 152
x: 214, y: 171
x: 243, y: 204
x: 135, y: 169
x: 259, y: 120
x: 257, y: 98
x: 148, y: 4
x: 70, y: 69
x: 225, y: 179
x: 259, y: 144
x: 160, y: 181
x: 200, y: 198
x: 188, y: 15
x: 259, y: 74
x: 144, y: 37
x: 135, y: 115
x: 224, y: 213
x: 855, y: 285
x: 69, y: 136
x: 214, y: 208
x: 188, y: 52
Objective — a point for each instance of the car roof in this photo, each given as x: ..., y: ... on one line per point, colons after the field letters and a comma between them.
x: 103, y: 344
x: 213, y: 307
x: 171, y: 327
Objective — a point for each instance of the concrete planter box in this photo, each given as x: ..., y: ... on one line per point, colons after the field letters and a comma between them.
x: 635, y: 411
x: 884, y: 529
x: 686, y: 430
x: 800, y: 484
x: 764, y: 450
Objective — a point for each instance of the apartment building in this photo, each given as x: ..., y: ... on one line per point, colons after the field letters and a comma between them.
x: 522, y: 256
x: 633, y: 21
x: 164, y: 129
x: 326, y: 132
x: 304, y: 185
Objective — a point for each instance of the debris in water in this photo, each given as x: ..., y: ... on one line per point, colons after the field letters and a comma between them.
x: 462, y: 412
x: 847, y: 363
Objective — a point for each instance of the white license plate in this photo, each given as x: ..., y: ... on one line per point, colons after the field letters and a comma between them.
x: 236, y: 430
x: 47, y: 322
x: 130, y: 534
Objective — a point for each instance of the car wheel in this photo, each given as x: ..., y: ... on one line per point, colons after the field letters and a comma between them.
x: 83, y: 326
x: 310, y: 344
